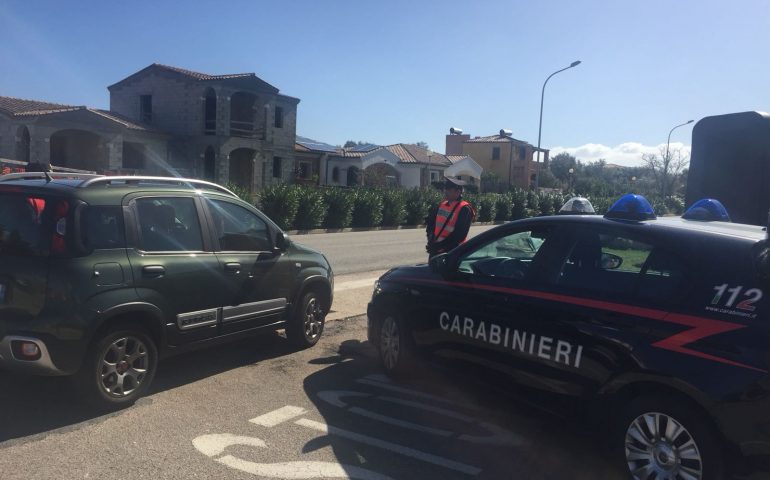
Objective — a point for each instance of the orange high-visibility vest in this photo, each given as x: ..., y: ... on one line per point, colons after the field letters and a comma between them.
x: 443, y: 217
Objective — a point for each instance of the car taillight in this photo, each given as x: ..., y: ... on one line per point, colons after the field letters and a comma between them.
x: 58, y: 242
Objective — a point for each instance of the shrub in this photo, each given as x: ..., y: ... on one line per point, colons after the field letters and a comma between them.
x: 533, y: 204
x: 545, y: 204
x: 241, y: 192
x: 675, y: 205
x: 418, y: 203
x: 339, y: 207
x: 311, y: 209
x: 503, y: 207
x: 519, y: 206
x: 280, y: 203
x: 486, y: 207
x: 393, y: 207
x: 367, y: 208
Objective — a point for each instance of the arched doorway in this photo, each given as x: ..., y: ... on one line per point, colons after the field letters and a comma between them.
x: 354, y: 177
x: 209, y: 164
x: 22, y: 144
x: 242, y: 167
x: 381, y: 175
x: 77, y: 149
x: 210, y: 112
x: 242, y: 114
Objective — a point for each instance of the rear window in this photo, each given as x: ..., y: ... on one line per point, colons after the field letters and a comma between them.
x: 22, y: 224
x: 103, y: 228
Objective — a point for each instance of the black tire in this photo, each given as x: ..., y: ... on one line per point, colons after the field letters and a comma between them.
x: 119, y: 367
x: 395, y: 347
x: 308, y: 319
x: 685, y: 440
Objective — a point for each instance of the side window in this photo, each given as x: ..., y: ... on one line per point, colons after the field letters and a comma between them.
x: 619, y: 265
x: 102, y: 228
x: 506, y: 257
x: 169, y: 224
x: 238, y: 229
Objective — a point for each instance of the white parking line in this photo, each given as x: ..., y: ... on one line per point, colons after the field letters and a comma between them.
x: 411, y: 392
x: 401, y: 450
x: 276, y: 417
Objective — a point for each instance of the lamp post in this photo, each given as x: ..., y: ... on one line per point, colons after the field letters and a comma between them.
x: 571, y: 179
x: 667, y: 159
x: 540, y: 127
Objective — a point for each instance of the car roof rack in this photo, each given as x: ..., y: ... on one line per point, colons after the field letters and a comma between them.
x: 9, y: 177
x: 136, y: 180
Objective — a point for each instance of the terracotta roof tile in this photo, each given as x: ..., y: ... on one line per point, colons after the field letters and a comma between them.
x: 203, y: 76
x: 16, y: 106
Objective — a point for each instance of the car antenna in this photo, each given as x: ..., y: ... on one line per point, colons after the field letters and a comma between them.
x: 48, y: 177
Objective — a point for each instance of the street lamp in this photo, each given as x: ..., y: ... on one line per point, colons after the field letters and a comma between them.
x: 540, y: 127
x: 571, y: 178
x: 668, y: 142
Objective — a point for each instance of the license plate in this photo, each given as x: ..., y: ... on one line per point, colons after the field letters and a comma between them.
x: 2, y: 293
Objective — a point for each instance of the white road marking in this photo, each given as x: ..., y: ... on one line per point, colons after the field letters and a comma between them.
x: 353, y: 284
x: 411, y: 392
x: 296, y: 470
x: 496, y: 435
x: 279, y: 416
x: 215, y: 444
x: 393, y: 447
x: 400, y: 423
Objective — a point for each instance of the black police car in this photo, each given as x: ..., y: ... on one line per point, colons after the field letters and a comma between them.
x: 100, y: 276
x: 659, y: 323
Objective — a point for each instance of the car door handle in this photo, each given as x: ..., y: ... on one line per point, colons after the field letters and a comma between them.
x: 153, y: 270
x: 232, y: 267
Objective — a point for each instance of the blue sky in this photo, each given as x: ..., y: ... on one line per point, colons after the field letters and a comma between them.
x: 406, y: 71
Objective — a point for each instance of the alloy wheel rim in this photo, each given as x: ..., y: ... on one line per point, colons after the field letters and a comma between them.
x: 123, y: 367
x: 659, y: 447
x: 389, y: 343
x: 313, y: 319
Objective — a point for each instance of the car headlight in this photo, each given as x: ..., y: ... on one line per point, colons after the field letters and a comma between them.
x: 377, y: 289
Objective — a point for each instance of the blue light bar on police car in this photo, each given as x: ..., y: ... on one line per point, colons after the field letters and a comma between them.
x: 631, y: 207
x: 707, y: 210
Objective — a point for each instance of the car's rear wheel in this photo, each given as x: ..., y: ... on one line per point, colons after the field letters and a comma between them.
x: 120, y: 367
x: 665, y: 439
x: 307, y: 323
x: 395, y: 348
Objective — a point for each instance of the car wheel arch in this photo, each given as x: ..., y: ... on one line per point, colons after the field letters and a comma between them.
x: 319, y: 284
x: 146, y: 315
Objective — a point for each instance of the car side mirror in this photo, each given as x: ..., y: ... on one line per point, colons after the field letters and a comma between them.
x: 610, y: 261
x: 282, y: 242
x: 440, y: 264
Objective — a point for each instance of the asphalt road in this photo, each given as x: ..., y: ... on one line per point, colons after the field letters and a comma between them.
x: 354, y: 252
x: 257, y: 409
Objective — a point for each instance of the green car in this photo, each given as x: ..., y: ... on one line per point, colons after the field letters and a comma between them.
x: 101, y: 276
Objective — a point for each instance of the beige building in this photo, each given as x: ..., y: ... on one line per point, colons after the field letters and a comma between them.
x: 512, y: 160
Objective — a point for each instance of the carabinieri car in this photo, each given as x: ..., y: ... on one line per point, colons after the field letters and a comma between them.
x: 658, y: 325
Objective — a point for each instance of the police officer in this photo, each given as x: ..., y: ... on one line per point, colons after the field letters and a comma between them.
x: 449, y: 222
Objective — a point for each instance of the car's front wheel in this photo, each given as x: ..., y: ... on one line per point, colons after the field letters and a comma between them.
x: 307, y: 324
x: 665, y: 439
x: 395, y: 348
x: 120, y: 367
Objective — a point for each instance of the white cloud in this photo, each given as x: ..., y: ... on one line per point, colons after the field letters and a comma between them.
x: 628, y: 154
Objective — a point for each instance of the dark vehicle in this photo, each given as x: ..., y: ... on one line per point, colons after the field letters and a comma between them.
x: 738, y: 143
x: 101, y: 276
x: 658, y: 327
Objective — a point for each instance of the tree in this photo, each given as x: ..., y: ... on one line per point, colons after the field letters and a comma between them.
x: 560, y: 165
x: 666, y: 169
x: 422, y: 145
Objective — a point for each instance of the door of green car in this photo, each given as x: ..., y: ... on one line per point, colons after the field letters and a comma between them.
x: 174, y: 266
x: 257, y: 278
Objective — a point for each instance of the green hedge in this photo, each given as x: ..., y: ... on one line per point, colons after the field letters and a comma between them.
x: 339, y: 207
x: 296, y: 207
